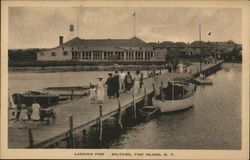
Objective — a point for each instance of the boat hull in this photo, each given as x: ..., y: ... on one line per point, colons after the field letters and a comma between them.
x: 174, y: 105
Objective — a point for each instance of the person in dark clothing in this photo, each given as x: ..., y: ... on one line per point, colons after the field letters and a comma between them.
x: 110, y: 83
x: 128, y: 82
x: 116, y: 85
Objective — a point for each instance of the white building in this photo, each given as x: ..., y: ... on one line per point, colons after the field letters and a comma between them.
x: 77, y: 49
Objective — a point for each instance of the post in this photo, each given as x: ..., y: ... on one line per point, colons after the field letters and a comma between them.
x: 162, y: 91
x: 72, y: 94
x: 31, y: 141
x: 145, y: 97
x: 83, y: 136
x: 134, y: 106
x: 119, y: 114
x: 71, y: 137
x: 100, y: 123
x: 153, y: 84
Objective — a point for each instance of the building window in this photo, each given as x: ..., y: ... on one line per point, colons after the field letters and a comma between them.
x: 65, y: 53
x: 83, y: 55
x: 105, y: 55
x: 53, y: 54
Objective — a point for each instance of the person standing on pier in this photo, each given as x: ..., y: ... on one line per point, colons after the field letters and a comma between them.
x: 23, y: 116
x: 110, y: 82
x: 137, y: 81
x: 122, y: 80
x: 128, y: 82
x: 100, y: 90
x: 35, y: 116
x: 92, y: 93
x: 116, y: 84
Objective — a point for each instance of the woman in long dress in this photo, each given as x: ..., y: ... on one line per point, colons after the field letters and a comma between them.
x: 137, y: 80
x: 100, y: 90
x: 35, y: 111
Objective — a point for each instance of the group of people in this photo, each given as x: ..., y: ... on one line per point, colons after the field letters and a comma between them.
x: 26, y: 113
x: 116, y: 83
x: 178, y: 68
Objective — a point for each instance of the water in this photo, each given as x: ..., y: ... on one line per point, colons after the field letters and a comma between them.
x: 213, y: 123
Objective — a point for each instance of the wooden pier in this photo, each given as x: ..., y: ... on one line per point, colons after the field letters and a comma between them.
x: 79, y: 114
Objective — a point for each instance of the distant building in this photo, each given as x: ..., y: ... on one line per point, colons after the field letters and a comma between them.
x: 133, y: 49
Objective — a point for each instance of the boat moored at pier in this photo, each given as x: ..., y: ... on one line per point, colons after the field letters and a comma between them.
x: 177, y: 95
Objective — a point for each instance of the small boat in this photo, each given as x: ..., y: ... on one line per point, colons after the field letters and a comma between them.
x: 178, y: 95
x: 44, y: 99
x: 199, y: 80
x: 149, y: 112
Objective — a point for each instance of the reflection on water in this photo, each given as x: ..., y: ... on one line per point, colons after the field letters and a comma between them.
x: 213, y: 123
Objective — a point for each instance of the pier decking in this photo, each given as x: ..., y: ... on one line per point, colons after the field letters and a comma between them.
x: 85, y: 114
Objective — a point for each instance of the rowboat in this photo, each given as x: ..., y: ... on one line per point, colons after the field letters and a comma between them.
x: 149, y: 112
x: 178, y: 95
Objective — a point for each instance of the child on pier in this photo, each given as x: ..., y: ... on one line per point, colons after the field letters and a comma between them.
x: 92, y: 94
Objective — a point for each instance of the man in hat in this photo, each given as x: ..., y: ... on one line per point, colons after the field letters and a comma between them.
x: 100, y: 89
x: 110, y: 82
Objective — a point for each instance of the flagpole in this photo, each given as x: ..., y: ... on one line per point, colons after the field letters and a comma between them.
x: 200, y: 48
x: 134, y: 23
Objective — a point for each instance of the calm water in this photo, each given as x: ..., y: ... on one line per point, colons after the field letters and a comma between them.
x: 213, y: 123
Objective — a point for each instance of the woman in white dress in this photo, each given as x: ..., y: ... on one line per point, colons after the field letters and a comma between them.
x: 35, y: 111
x: 100, y: 90
x: 137, y: 80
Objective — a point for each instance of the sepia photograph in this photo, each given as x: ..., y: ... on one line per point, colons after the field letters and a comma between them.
x: 151, y: 77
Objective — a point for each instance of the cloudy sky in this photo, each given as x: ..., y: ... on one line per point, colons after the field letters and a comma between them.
x: 31, y: 27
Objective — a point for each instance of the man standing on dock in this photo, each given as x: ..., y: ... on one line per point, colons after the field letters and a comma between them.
x: 110, y: 82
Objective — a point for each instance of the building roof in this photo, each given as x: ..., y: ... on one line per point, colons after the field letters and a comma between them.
x: 132, y: 42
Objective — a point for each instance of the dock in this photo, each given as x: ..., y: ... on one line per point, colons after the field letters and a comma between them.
x: 79, y: 114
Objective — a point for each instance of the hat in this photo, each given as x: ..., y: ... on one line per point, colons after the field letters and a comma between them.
x: 109, y: 73
x: 100, y: 77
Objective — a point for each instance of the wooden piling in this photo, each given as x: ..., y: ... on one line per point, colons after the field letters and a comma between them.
x: 31, y: 141
x: 71, y: 137
x: 100, y: 123
x: 145, y: 97
x: 119, y: 114
x: 134, y: 107
x: 83, y: 136
x: 154, y: 90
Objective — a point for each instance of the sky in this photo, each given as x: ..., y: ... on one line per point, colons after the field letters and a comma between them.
x: 34, y: 27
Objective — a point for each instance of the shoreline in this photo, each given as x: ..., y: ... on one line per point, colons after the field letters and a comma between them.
x: 84, y: 68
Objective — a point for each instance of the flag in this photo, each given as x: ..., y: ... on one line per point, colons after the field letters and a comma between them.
x: 134, y: 14
x: 209, y: 33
